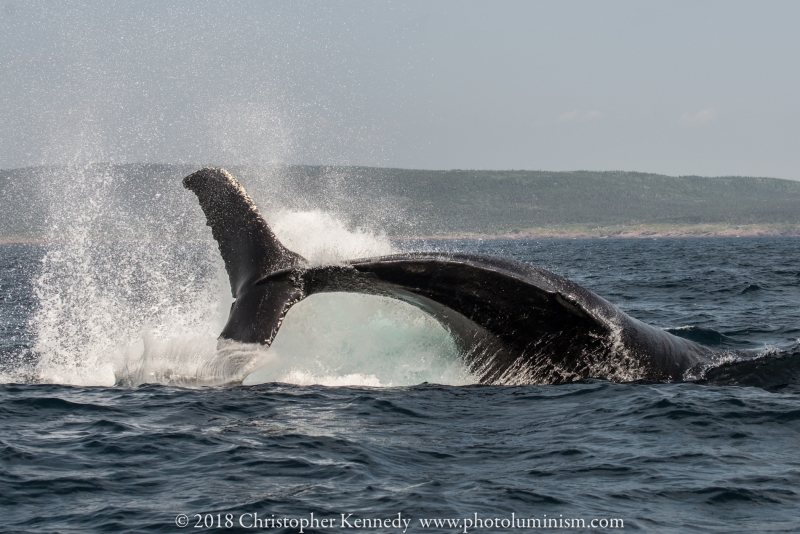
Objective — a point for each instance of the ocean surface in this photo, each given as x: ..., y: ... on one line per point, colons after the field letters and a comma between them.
x: 118, y: 412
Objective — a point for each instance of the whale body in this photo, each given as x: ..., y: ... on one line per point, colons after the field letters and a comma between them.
x: 513, y: 323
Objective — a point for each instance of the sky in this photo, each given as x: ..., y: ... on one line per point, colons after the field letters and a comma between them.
x: 680, y: 88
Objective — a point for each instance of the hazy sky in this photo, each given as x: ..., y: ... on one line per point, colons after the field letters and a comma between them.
x: 710, y: 88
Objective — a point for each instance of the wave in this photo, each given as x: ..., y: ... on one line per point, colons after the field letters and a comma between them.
x: 773, y: 369
x: 751, y: 288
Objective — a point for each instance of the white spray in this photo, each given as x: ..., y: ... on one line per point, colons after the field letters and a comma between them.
x: 121, y: 301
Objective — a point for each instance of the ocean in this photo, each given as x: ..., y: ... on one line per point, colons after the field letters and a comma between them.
x: 118, y: 415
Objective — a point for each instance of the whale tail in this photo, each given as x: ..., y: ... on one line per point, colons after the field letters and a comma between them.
x: 251, y: 253
x: 514, y: 322
x: 248, y: 247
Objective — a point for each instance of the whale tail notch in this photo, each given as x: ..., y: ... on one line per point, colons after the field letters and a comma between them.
x: 248, y: 246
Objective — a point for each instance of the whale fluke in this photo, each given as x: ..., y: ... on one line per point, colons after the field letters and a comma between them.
x: 249, y: 248
x: 514, y: 323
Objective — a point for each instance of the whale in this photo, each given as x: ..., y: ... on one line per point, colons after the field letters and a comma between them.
x: 513, y: 323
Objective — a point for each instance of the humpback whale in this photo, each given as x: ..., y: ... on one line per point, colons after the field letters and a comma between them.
x: 513, y: 323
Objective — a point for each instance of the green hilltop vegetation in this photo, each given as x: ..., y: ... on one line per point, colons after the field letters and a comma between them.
x: 409, y: 203
x: 499, y: 202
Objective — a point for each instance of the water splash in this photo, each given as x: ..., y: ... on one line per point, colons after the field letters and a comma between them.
x: 351, y: 339
x: 112, y: 311
x: 125, y: 296
x: 323, y: 239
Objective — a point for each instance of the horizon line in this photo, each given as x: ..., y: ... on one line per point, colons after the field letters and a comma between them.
x: 341, y: 166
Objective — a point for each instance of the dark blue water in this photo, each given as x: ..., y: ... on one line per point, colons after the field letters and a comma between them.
x: 720, y: 455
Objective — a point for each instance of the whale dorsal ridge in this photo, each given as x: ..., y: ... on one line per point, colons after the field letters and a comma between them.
x: 248, y: 247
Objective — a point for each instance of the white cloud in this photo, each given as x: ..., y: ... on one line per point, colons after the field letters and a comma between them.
x: 704, y: 116
x: 577, y: 115
x: 569, y: 116
x: 591, y: 115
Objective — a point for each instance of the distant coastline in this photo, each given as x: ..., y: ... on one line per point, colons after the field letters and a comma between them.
x: 141, y: 202
x: 641, y: 231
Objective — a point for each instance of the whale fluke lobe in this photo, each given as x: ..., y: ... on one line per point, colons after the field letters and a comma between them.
x: 514, y: 323
x: 249, y: 248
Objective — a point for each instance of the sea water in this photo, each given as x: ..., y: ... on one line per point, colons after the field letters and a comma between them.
x: 120, y: 412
